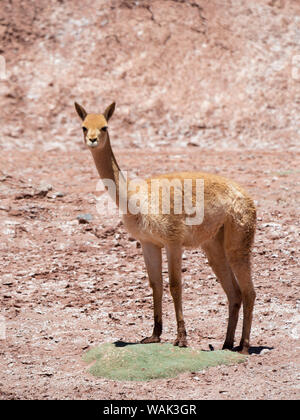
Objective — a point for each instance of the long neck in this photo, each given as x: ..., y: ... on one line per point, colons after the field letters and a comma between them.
x: 108, y: 168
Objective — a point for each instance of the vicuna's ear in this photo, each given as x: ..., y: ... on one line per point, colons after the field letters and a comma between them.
x: 80, y: 111
x: 109, y: 111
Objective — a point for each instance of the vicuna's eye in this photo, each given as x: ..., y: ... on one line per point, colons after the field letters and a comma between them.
x: 104, y: 129
x: 84, y: 129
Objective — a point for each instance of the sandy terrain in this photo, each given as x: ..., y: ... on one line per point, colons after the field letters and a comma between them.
x: 199, y: 85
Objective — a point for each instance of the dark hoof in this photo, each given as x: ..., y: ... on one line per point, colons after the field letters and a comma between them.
x: 149, y: 340
x: 180, y: 342
x: 242, y: 350
x: 227, y: 347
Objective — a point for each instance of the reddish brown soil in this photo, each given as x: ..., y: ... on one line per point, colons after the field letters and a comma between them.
x: 199, y: 85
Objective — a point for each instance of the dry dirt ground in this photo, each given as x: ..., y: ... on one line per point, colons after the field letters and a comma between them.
x: 200, y: 85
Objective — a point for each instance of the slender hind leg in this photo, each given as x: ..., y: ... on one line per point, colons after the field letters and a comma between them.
x: 153, y: 261
x: 214, y: 250
x: 174, y: 254
x: 242, y: 270
x: 238, y: 249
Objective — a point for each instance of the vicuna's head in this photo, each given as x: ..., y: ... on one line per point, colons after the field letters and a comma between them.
x: 95, y: 126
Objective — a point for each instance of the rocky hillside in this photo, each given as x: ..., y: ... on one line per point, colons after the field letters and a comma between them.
x: 217, y: 74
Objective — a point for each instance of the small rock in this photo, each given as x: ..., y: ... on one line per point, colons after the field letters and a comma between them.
x: 59, y: 194
x: 275, y: 235
x: 43, y: 190
x: 24, y: 194
x: 56, y: 195
x: 40, y: 191
x: 84, y: 218
x: 4, y: 207
x: 15, y: 212
x: 45, y: 373
x: 264, y: 351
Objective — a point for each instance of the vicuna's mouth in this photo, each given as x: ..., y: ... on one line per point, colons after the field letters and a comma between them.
x: 92, y: 143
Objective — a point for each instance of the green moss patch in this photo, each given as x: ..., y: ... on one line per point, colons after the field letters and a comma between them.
x: 142, y: 362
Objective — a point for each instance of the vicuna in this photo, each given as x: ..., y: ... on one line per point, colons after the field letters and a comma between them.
x: 225, y: 234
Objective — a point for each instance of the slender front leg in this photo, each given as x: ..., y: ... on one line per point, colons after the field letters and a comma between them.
x: 174, y: 254
x: 152, y: 257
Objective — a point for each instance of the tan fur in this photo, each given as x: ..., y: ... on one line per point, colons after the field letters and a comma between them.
x: 226, y: 235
